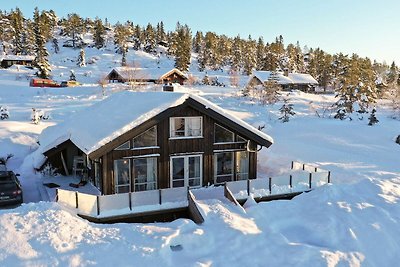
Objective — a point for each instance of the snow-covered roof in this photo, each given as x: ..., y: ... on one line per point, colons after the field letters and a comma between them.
x: 292, y: 78
x: 102, y: 122
x: 17, y: 57
x: 145, y: 73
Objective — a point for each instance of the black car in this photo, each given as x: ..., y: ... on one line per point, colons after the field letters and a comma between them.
x: 10, y: 188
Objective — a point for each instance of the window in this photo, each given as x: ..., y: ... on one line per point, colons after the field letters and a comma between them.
x: 240, y: 139
x: 181, y: 127
x: 146, y: 139
x: 186, y: 171
x: 222, y: 135
x: 124, y: 146
x: 223, y: 167
x: 145, y: 174
x: 122, y: 179
x: 242, y: 165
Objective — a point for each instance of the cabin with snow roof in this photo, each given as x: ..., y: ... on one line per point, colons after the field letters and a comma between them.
x: 288, y: 81
x: 135, y: 141
x: 9, y: 60
x: 146, y: 75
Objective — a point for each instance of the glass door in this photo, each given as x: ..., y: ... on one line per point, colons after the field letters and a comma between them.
x: 186, y: 171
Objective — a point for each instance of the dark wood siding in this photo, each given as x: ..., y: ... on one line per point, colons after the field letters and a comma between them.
x: 168, y: 147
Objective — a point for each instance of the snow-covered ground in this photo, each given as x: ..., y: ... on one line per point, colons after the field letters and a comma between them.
x: 353, y: 222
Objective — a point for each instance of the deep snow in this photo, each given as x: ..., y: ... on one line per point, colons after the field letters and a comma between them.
x: 353, y: 222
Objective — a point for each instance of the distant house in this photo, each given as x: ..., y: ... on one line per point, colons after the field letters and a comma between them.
x: 288, y: 81
x: 146, y: 75
x: 9, y: 60
x: 144, y: 141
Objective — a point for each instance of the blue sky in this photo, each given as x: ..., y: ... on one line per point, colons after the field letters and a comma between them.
x: 366, y: 27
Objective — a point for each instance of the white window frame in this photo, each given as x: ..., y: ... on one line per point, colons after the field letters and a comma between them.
x: 155, y: 159
x: 229, y: 142
x: 145, y: 147
x: 186, y: 170
x: 237, y: 169
x: 215, y: 161
x: 116, y: 185
x: 122, y: 148
x: 186, y: 136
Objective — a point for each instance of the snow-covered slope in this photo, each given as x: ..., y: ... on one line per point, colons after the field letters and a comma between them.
x: 354, y: 222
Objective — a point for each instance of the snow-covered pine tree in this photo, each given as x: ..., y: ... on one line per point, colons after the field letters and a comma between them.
x: 98, y: 33
x: 17, y: 28
x: 73, y: 27
x: 28, y: 39
x: 197, y: 41
x: 72, y: 76
x: 81, y: 62
x: 260, y: 54
x: 372, y: 118
x: 236, y: 54
x: 286, y: 111
x: 160, y: 32
x: 183, y: 40
x: 41, y: 62
x: 124, y: 52
x: 249, y: 61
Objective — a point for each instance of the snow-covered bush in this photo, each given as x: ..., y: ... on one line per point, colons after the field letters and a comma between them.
x: 49, y: 170
x: 38, y: 115
x: 4, y: 114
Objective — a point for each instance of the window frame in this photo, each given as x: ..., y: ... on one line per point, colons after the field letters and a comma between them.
x: 134, y: 178
x: 186, y: 130
x: 215, y: 135
x: 120, y: 146
x: 215, y: 161
x: 145, y: 147
x: 186, y: 167
x: 129, y: 184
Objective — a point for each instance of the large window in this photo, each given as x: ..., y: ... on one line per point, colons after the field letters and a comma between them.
x: 146, y: 139
x: 223, y: 167
x: 223, y: 135
x: 242, y: 165
x: 122, y: 179
x: 145, y: 174
x: 181, y: 127
x: 124, y: 146
x: 186, y: 171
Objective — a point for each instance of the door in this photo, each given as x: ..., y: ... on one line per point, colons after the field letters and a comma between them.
x: 187, y: 171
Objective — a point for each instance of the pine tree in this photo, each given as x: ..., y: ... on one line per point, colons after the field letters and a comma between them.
x: 124, y: 52
x: 17, y: 25
x: 393, y: 74
x: 183, y: 41
x: 249, y: 61
x: 197, y: 40
x: 372, y: 118
x: 41, y: 62
x: 286, y: 111
x: 98, y: 33
x: 74, y: 27
x: 81, y: 62
x: 260, y: 54
x: 150, y: 39
x: 160, y: 32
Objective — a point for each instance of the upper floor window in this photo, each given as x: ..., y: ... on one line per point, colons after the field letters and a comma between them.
x: 146, y: 139
x: 181, y: 127
x: 124, y: 146
x: 223, y: 135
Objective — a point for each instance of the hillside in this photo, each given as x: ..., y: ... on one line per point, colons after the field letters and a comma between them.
x: 353, y: 222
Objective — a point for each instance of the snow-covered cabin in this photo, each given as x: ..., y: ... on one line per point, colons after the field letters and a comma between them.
x: 146, y: 75
x: 288, y: 81
x: 7, y: 61
x: 137, y: 141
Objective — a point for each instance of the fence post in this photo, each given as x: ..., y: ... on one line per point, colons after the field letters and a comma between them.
x: 98, y: 205
x: 130, y: 200
x: 270, y: 186
x: 56, y: 194
x: 304, y: 165
x: 291, y: 181
x: 292, y: 164
x: 76, y: 199
x: 159, y: 197
x: 329, y: 177
x: 309, y: 180
x: 248, y: 187
x: 316, y: 169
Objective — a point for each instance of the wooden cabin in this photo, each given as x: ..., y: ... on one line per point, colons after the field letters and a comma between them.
x: 9, y: 60
x: 144, y: 141
x: 143, y: 75
x: 288, y: 81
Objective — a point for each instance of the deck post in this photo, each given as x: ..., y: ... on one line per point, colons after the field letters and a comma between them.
x: 76, y: 199
x: 130, y: 200
x: 98, y: 205
x: 292, y: 164
x: 56, y: 194
x: 270, y: 185
x: 291, y: 181
x: 248, y: 187
x: 329, y: 177
x: 316, y: 169
x: 159, y: 197
x: 309, y: 180
x: 304, y: 166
